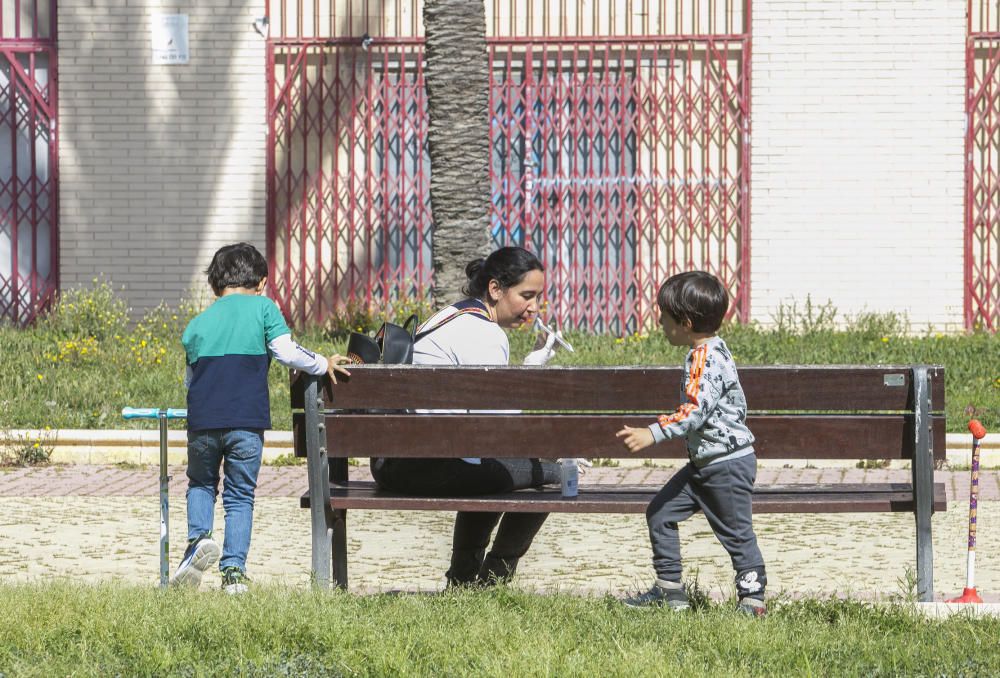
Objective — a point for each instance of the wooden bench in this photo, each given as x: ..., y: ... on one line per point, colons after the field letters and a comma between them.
x: 812, y: 412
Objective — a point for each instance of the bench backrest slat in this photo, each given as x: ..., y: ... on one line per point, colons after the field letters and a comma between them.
x: 482, y: 435
x: 632, y: 389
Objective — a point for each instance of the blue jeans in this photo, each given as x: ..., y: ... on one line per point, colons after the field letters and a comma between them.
x: 239, y: 452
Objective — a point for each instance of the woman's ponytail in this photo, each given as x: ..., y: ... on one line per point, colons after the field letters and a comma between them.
x: 473, y: 271
x: 507, y: 265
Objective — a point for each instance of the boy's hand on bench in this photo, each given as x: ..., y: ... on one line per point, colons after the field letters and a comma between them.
x: 635, y: 439
x: 334, y: 363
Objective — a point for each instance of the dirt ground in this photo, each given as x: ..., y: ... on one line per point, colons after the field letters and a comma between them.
x: 94, y: 539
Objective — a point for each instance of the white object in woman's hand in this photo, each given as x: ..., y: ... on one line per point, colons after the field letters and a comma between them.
x: 539, y: 325
x: 544, y: 354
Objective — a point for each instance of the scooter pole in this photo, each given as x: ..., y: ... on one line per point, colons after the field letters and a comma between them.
x: 162, y: 415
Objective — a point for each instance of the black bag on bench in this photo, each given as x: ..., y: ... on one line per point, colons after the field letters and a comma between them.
x: 391, y: 345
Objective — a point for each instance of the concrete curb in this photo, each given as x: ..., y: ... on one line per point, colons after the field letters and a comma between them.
x: 940, y: 610
x: 138, y: 446
x: 135, y: 446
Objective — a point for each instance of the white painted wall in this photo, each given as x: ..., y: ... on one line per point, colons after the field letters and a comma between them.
x: 857, y: 176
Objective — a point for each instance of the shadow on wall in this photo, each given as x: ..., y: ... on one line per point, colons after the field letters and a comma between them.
x: 160, y: 163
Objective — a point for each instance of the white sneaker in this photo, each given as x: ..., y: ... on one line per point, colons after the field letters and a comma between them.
x: 200, y: 555
x: 234, y: 581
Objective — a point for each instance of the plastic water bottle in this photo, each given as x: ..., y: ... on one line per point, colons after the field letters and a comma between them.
x: 570, y: 478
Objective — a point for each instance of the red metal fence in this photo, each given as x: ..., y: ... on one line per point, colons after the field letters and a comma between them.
x: 618, y: 160
x: 621, y: 163
x: 29, y: 207
x: 982, y: 169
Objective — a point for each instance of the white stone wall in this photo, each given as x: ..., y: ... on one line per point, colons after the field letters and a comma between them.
x: 159, y: 165
x: 857, y: 175
x: 856, y: 185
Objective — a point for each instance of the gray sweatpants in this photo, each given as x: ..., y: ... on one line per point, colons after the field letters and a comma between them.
x: 723, y: 492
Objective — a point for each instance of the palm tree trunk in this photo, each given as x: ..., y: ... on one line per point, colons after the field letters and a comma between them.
x: 457, y: 81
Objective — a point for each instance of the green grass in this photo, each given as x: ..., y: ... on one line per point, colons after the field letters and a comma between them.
x: 76, y: 630
x: 79, y: 366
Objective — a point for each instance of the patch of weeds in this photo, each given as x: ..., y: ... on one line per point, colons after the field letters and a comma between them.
x: 809, y: 319
x: 26, y: 448
x: 97, y: 312
x: 130, y: 466
x: 286, y: 460
x: 879, y: 326
x: 907, y: 584
x: 606, y: 462
x: 698, y: 597
x: 871, y: 464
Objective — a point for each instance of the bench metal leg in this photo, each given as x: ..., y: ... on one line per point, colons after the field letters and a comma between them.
x: 319, y: 486
x: 339, y: 547
x: 923, y: 483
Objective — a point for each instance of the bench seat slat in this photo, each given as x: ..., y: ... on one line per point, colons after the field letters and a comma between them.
x: 860, y: 498
x: 886, y: 436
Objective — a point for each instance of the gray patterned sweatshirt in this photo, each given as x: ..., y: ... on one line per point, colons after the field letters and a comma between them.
x: 714, y: 411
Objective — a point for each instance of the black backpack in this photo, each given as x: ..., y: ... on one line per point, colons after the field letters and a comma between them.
x: 393, y: 344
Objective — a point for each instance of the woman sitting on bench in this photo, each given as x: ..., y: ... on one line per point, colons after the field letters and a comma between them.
x: 502, y: 292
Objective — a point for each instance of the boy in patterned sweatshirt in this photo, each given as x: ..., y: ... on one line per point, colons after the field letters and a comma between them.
x: 719, y: 477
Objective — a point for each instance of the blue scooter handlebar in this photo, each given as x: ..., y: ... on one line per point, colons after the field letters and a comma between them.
x: 153, y: 413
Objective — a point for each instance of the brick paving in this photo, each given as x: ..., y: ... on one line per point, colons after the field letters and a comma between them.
x: 290, y: 481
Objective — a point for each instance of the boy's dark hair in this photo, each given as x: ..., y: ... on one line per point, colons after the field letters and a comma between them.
x: 696, y: 296
x: 507, y: 265
x: 239, y: 265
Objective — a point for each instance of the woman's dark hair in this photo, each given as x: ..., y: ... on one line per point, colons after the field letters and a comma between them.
x: 507, y: 265
x: 696, y: 296
x: 239, y: 265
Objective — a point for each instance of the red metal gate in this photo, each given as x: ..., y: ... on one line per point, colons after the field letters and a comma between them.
x: 982, y: 169
x: 29, y: 208
x: 348, y: 203
x: 621, y: 163
x: 618, y: 160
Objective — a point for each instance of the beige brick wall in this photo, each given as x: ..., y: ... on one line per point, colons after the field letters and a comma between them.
x: 159, y: 165
x: 857, y: 177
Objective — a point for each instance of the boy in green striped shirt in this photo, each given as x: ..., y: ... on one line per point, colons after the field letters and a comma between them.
x: 229, y: 347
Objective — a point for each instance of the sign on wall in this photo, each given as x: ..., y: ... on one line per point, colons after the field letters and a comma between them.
x: 170, y: 38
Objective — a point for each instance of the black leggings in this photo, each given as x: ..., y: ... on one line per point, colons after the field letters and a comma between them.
x: 470, y: 563
x: 454, y: 477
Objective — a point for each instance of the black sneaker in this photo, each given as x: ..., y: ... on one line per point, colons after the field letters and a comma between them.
x: 661, y: 594
x: 200, y: 555
x: 752, y: 607
x: 234, y: 581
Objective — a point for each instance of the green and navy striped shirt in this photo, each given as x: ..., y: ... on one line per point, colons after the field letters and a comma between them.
x: 226, y: 348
